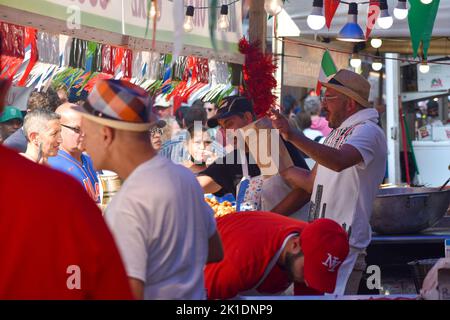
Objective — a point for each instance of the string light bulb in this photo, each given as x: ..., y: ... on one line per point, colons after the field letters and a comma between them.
x: 154, y: 12
x: 376, y: 43
x: 355, y: 61
x: 223, y: 22
x: 400, y: 11
x: 316, y: 20
x: 273, y: 7
x: 377, y: 65
x: 385, y: 20
x: 188, y: 24
x: 424, y: 67
x: 351, y: 31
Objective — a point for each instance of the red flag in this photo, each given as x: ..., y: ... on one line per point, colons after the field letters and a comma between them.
x: 330, y: 9
x: 372, y: 16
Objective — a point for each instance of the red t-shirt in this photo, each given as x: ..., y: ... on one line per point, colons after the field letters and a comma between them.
x: 250, y: 241
x: 53, y: 237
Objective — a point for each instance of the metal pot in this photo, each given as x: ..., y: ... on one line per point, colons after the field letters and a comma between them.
x: 408, y: 210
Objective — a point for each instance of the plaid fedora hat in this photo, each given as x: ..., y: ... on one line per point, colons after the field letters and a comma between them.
x: 352, y: 85
x: 121, y: 105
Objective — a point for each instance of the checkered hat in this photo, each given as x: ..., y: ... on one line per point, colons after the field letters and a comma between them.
x: 120, y: 104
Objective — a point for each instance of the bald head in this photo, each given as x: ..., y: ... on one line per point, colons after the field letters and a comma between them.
x: 71, y: 123
x: 67, y: 113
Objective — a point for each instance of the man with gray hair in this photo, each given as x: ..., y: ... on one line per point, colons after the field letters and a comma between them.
x: 313, y: 107
x: 42, y: 129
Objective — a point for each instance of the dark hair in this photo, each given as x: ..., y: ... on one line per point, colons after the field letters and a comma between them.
x: 303, y: 120
x: 288, y: 104
x: 191, y: 130
x: 44, y: 100
x: 197, y: 103
x: 180, y: 115
x: 195, y: 113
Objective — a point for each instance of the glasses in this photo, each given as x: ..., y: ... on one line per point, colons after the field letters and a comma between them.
x: 154, y: 131
x: 74, y: 129
x: 324, y: 99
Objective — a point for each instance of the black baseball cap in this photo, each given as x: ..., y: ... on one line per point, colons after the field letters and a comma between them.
x: 230, y: 106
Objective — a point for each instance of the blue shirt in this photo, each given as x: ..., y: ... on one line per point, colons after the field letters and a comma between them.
x: 83, y: 172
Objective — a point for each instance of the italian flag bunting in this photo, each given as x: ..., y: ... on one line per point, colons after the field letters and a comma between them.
x: 327, y: 70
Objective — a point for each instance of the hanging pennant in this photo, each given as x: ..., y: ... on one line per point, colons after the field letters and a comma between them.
x: 421, y: 19
x: 30, y: 55
x: 372, y: 16
x: 330, y: 10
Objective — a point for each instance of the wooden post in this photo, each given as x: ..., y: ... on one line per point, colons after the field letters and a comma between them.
x: 258, y: 23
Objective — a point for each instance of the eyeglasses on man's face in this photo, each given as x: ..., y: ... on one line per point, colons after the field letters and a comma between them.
x: 325, y: 99
x: 77, y: 130
x: 154, y: 131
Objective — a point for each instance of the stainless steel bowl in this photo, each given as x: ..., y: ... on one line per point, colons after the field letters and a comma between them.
x: 408, y: 210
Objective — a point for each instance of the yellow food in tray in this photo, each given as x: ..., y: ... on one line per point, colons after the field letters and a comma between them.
x: 220, y: 209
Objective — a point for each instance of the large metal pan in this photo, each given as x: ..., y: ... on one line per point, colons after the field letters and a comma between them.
x: 408, y: 210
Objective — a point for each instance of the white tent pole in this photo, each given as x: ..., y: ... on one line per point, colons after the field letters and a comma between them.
x: 392, y: 117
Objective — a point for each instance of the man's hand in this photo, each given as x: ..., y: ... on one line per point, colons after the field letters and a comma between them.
x: 281, y: 123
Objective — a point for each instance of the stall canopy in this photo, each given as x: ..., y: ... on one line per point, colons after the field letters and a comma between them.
x: 125, y: 23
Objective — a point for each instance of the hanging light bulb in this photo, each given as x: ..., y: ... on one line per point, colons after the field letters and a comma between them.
x: 385, y: 20
x: 316, y: 20
x: 154, y: 13
x: 355, y: 61
x: 426, y: 1
x: 377, y: 65
x: 424, y: 67
x: 188, y: 25
x: 400, y: 11
x: 351, y: 31
x: 273, y: 7
x: 223, y: 22
x: 376, y: 43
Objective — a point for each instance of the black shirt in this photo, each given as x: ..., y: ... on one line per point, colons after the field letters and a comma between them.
x: 228, y: 171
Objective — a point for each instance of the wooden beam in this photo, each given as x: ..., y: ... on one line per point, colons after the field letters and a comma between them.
x: 258, y: 23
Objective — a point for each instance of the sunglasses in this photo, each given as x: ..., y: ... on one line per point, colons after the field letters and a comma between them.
x: 154, y: 131
x: 74, y: 129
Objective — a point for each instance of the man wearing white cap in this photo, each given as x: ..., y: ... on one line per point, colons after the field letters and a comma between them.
x: 350, y: 166
x: 164, y: 229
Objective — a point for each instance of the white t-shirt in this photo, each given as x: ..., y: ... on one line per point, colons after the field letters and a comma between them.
x: 162, y: 225
x: 347, y: 196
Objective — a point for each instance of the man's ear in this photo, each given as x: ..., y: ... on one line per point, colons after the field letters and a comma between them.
x: 248, y: 117
x: 295, y: 245
x: 33, y: 137
x: 108, y: 135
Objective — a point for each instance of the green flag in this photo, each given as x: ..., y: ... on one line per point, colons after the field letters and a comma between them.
x: 327, y: 70
x: 421, y: 19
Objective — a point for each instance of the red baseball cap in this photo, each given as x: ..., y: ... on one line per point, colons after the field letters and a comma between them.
x: 325, y: 247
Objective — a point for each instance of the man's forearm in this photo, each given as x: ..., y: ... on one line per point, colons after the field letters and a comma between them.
x: 322, y: 154
x: 293, y: 202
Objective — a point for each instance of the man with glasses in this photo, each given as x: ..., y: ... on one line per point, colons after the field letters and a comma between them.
x: 70, y: 158
x: 350, y: 166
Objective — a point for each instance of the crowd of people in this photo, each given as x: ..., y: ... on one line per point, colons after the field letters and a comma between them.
x: 158, y: 238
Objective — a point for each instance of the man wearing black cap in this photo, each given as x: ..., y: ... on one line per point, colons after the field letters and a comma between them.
x: 222, y: 177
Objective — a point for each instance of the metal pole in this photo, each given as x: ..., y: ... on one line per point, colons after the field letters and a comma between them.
x: 392, y: 118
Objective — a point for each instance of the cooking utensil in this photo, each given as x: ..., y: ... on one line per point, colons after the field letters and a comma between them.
x: 408, y: 210
x: 443, y: 186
